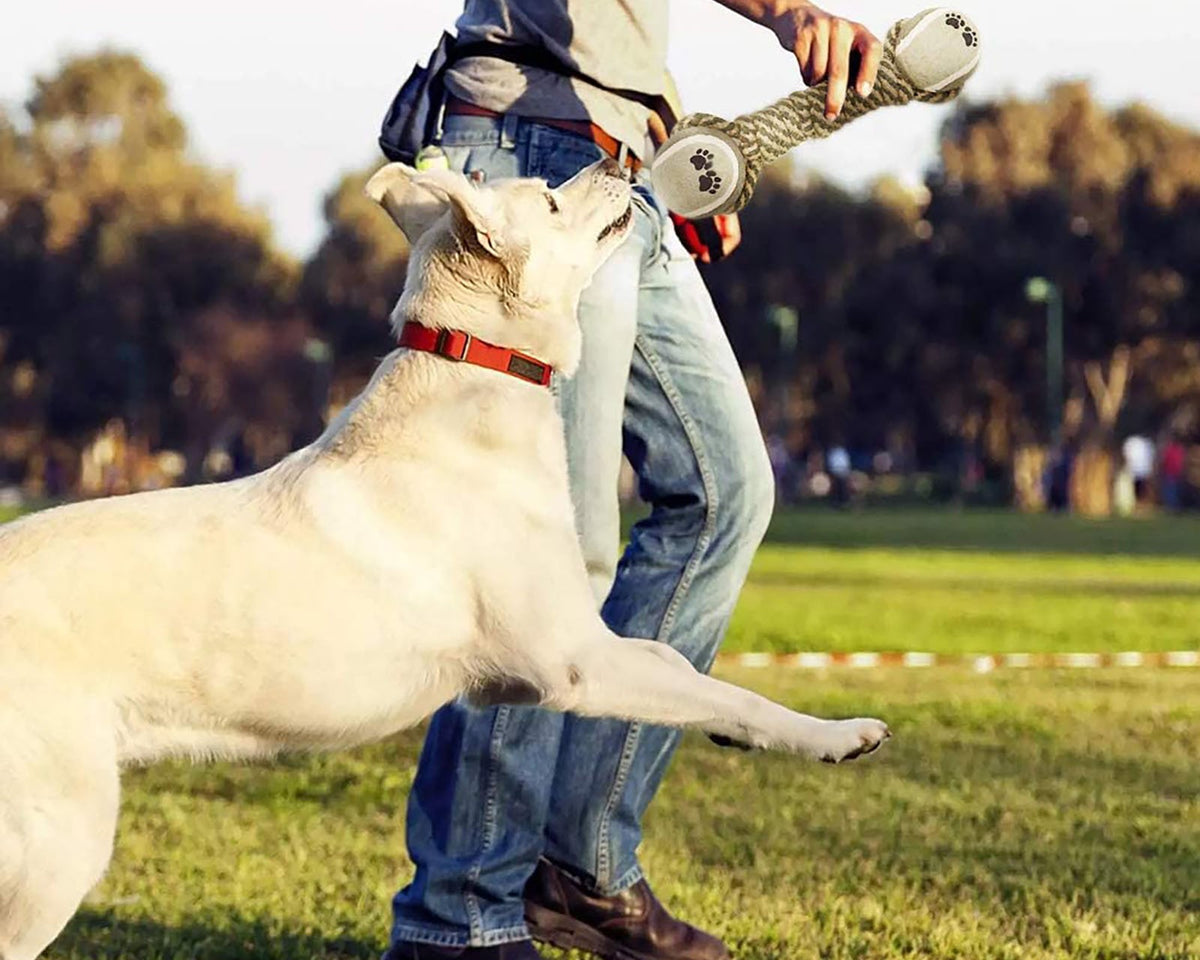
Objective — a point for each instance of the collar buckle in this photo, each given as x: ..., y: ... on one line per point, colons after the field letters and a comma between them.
x: 442, y: 347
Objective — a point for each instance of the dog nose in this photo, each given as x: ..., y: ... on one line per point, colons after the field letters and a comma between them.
x: 610, y: 168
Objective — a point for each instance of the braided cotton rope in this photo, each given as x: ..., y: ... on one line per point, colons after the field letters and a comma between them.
x: 767, y: 134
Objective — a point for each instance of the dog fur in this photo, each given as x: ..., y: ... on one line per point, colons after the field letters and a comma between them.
x: 421, y: 549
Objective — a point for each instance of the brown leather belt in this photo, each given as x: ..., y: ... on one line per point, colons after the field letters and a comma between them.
x: 610, y: 145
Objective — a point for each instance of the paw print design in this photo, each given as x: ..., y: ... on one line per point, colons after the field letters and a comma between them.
x: 955, y: 22
x: 709, y: 183
x: 702, y: 159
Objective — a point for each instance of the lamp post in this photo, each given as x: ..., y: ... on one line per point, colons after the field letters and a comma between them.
x: 319, y: 353
x: 1042, y: 290
x: 786, y: 322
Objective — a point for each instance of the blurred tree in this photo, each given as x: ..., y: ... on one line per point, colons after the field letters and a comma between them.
x: 112, y: 241
x: 353, y: 279
x: 809, y: 246
x: 915, y: 333
x: 134, y: 284
x: 1106, y: 202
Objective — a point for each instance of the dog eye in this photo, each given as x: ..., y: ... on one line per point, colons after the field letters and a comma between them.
x: 551, y: 201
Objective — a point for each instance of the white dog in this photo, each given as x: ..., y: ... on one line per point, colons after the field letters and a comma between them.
x: 421, y: 549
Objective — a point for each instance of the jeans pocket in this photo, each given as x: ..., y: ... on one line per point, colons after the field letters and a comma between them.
x: 556, y: 156
x: 491, y: 161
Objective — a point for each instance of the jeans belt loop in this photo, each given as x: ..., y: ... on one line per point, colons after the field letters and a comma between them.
x: 622, y: 159
x: 508, y: 131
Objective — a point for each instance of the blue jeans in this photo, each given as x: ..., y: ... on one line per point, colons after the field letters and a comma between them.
x: 498, y: 788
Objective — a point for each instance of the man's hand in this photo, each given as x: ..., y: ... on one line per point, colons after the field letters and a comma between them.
x: 829, y: 48
x: 730, y: 229
x: 826, y: 47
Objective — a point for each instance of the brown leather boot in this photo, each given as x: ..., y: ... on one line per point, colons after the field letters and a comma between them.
x: 631, y: 925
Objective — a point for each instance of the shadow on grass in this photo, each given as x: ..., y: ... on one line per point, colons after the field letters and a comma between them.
x: 99, y: 935
x: 990, y: 837
x: 1041, y: 801
x: 1079, y: 833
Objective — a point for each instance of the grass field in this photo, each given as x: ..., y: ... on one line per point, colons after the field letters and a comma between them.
x: 1016, y: 814
x: 971, y: 583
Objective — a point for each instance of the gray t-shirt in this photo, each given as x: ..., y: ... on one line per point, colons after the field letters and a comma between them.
x: 621, y: 43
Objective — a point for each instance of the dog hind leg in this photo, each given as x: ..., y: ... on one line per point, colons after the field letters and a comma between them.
x: 651, y: 682
x: 58, y: 814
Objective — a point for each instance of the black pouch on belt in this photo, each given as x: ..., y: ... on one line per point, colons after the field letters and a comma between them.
x: 414, y: 117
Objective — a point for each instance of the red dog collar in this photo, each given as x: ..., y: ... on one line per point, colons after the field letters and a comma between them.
x: 463, y: 348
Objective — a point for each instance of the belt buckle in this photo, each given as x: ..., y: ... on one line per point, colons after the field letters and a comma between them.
x: 443, y: 341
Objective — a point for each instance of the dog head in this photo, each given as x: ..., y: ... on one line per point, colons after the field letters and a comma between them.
x: 504, y: 261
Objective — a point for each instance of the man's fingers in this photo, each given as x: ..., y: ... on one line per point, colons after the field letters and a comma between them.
x: 838, y: 51
x: 818, y: 56
x: 871, y: 52
x: 730, y: 228
x: 658, y: 129
x: 841, y: 41
x: 803, y: 56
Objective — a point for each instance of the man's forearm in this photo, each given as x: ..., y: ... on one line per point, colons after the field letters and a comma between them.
x: 764, y: 12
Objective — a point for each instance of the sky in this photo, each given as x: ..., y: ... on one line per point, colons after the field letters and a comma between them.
x: 289, y: 95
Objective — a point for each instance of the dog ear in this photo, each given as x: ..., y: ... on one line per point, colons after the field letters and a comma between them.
x: 470, y: 204
x: 413, y: 209
x: 416, y: 200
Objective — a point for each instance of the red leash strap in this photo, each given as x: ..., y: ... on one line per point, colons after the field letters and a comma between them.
x: 463, y: 348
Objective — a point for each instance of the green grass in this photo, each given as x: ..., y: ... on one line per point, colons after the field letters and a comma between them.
x: 971, y: 582
x: 9, y: 513
x: 1039, y: 814
x: 1017, y: 815
x: 958, y: 601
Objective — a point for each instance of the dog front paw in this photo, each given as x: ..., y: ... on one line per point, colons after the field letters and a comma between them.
x: 849, y: 739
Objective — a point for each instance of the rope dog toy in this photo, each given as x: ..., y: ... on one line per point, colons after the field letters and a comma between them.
x: 710, y: 166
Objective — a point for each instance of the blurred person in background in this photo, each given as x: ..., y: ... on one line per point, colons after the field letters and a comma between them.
x: 1058, y: 477
x: 1171, y: 471
x: 1138, y: 452
x: 838, y: 463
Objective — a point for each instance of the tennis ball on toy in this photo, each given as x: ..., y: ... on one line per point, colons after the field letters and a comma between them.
x: 697, y: 174
x: 937, y: 49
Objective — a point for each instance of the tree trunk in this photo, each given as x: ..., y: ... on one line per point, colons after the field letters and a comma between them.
x: 1092, y: 480
x: 1029, y: 471
x: 1093, y: 470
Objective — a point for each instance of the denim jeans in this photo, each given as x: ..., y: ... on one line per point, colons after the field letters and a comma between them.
x: 499, y: 787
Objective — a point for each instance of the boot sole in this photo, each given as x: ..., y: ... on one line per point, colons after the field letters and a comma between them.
x: 567, y: 933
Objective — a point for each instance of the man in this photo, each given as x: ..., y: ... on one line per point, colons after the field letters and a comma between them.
x: 518, y: 813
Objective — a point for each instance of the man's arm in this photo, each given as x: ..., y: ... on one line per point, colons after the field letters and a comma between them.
x: 824, y: 45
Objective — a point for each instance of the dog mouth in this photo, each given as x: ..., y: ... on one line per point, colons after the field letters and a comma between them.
x: 617, y: 225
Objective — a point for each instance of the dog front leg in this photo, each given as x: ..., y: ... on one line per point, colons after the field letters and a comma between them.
x: 651, y: 682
